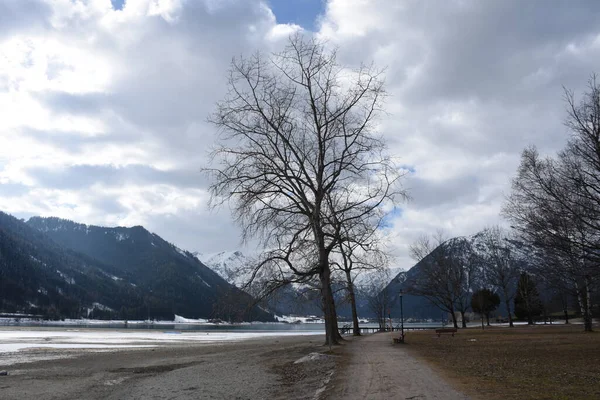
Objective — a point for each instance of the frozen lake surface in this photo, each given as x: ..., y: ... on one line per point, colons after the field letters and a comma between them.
x: 19, y: 339
x: 19, y: 345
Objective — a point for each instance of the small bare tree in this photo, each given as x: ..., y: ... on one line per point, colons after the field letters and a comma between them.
x: 442, y: 276
x: 379, y: 298
x: 501, y: 267
x: 299, y: 159
x: 360, y: 252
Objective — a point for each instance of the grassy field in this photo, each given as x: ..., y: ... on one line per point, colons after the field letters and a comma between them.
x: 538, y: 362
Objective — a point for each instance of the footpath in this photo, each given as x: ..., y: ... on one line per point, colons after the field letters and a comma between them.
x: 375, y: 368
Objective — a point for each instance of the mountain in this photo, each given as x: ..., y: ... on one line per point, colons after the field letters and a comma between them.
x: 464, y: 247
x: 289, y: 300
x: 171, y: 280
x: 40, y: 277
x: 228, y: 264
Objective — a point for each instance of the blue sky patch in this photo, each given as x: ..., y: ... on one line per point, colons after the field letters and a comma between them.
x: 388, y: 220
x: 299, y: 12
x: 117, y: 4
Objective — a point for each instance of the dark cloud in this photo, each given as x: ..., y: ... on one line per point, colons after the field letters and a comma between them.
x: 76, y: 142
x: 453, y: 191
x: 197, y: 230
x: 84, y: 176
x: 13, y: 189
x: 23, y: 16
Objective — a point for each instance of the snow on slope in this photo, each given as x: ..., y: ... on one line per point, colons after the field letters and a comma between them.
x: 230, y: 265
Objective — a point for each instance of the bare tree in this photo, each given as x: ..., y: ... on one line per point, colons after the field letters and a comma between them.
x: 425, y: 244
x: 470, y: 278
x: 299, y: 159
x: 501, y: 267
x: 442, y: 277
x: 555, y: 202
x: 379, y: 298
x: 360, y: 252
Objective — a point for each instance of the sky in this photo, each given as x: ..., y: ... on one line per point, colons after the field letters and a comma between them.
x: 103, y: 104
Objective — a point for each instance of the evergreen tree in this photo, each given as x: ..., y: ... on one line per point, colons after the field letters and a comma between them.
x: 527, y: 300
x: 484, y: 302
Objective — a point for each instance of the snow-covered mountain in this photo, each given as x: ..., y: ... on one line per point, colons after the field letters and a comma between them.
x: 470, y: 249
x: 230, y: 265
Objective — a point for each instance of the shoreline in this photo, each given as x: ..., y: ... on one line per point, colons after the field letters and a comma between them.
x: 30, y: 344
x: 248, y: 369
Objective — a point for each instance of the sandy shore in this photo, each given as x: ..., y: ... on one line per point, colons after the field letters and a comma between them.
x: 251, y: 369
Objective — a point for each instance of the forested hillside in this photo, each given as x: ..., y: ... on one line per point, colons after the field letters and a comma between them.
x: 60, y: 269
x: 173, y: 281
x: 40, y: 277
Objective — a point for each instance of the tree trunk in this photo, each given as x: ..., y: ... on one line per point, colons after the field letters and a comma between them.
x: 529, y: 316
x: 566, y: 311
x: 464, y: 321
x: 454, y: 318
x: 510, y: 321
x: 355, y: 330
x: 587, y: 314
x: 487, y: 318
x: 482, y: 325
x: 331, y: 332
x: 336, y: 330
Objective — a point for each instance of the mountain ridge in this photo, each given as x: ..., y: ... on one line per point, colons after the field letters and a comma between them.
x: 172, y: 280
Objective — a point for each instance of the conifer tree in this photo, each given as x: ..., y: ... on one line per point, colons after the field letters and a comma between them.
x: 527, y: 300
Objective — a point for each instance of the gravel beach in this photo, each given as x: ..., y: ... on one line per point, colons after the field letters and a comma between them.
x: 251, y: 369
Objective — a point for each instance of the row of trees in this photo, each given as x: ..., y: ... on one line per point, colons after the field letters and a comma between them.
x: 527, y: 303
x: 450, y: 271
x: 554, y: 206
x: 554, y: 211
x: 459, y: 275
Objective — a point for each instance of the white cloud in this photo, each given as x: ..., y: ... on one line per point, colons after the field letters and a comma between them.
x: 102, y: 111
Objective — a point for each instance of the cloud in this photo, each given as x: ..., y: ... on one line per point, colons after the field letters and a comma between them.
x: 471, y: 84
x: 103, y: 110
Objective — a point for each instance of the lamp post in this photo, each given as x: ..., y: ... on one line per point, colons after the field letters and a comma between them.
x: 401, y: 317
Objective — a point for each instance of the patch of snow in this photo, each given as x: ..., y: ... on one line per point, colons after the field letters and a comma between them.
x: 182, y: 320
x: 230, y: 265
x: 183, y: 253
x: 202, y: 280
x: 312, y: 357
x: 102, y: 307
x: 121, y: 236
x: 67, y: 278
x: 292, y: 319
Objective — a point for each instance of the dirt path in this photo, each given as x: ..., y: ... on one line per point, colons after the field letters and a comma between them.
x: 375, y: 368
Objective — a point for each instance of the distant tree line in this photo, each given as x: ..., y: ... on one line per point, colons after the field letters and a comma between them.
x: 550, y: 256
x: 554, y: 206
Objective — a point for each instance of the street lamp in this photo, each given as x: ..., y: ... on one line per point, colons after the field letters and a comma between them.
x: 401, y: 317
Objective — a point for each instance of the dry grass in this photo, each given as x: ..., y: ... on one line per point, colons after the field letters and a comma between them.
x: 539, y: 362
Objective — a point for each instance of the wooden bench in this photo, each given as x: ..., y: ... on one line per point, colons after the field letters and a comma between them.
x: 399, y: 339
x: 445, y: 330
